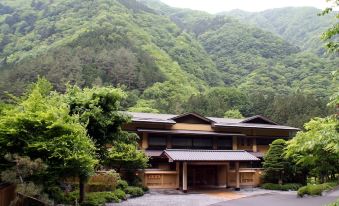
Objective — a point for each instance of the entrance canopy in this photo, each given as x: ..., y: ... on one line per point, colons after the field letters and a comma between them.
x: 208, y: 155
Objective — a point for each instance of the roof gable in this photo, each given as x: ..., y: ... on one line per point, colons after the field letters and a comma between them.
x: 258, y: 119
x: 192, y: 118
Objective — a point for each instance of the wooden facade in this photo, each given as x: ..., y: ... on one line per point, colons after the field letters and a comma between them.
x: 7, y: 194
x: 160, y: 132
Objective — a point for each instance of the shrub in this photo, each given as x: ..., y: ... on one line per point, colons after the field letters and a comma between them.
x: 99, y: 187
x: 99, y: 198
x: 284, y: 187
x: 71, y: 197
x: 134, y: 191
x: 122, y: 184
x: 315, y: 189
x: 271, y: 186
x: 291, y: 186
x: 120, y: 194
x: 145, y: 188
x: 336, y: 203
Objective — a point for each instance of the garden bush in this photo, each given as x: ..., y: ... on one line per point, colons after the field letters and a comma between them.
x: 284, y: 187
x: 315, y: 189
x: 99, y: 198
x: 120, y: 194
x: 134, y: 191
x: 122, y: 184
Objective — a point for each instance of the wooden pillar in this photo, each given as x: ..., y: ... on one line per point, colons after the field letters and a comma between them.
x: 184, y: 176
x: 254, y: 148
x: 177, y: 169
x: 169, y: 142
x: 215, y: 143
x: 227, y: 175
x: 144, y: 144
x: 237, y: 187
x: 235, y: 143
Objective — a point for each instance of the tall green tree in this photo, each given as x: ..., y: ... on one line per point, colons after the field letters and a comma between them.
x: 332, y: 33
x: 275, y: 164
x: 39, y: 126
x: 99, y: 112
x: 318, y: 147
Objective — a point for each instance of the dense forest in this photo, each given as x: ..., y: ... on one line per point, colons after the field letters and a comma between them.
x: 172, y: 60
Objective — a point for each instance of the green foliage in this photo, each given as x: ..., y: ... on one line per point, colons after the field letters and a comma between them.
x: 122, y: 184
x: 275, y: 165
x: 134, y: 191
x: 233, y: 113
x: 300, y: 25
x: 336, y: 203
x: 99, y: 198
x: 283, y: 187
x: 98, y: 109
x: 126, y: 156
x: 217, y: 100
x: 315, y: 190
x: 161, y: 55
x: 120, y: 194
x: 40, y: 126
x: 321, y: 140
x: 331, y: 33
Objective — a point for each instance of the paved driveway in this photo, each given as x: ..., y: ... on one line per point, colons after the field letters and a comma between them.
x: 227, y: 198
x: 276, y: 199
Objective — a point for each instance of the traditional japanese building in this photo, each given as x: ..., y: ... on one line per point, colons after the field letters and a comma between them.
x: 192, y: 151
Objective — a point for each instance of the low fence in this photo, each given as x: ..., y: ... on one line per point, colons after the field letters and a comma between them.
x: 7, y: 194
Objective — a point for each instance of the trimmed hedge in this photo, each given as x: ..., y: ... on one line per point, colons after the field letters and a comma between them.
x: 120, y: 194
x: 134, y: 191
x: 99, y: 198
x: 316, y: 189
x: 283, y: 187
x: 122, y: 184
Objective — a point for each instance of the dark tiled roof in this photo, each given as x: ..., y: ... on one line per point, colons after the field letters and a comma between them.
x: 194, y: 132
x: 154, y: 153
x: 208, y: 155
x: 216, y: 122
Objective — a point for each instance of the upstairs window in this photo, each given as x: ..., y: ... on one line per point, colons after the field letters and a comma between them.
x: 202, y: 143
x: 182, y: 142
x: 157, y: 142
x: 225, y: 143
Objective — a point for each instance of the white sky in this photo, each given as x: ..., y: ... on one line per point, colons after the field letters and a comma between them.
x: 215, y: 6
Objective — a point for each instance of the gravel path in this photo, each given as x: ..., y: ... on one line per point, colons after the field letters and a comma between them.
x: 255, y: 197
x: 170, y: 198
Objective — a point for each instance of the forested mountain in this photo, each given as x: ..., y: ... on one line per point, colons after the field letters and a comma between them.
x: 167, y: 59
x: 301, y: 26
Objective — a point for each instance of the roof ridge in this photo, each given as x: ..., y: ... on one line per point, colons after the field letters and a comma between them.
x: 205, y: 150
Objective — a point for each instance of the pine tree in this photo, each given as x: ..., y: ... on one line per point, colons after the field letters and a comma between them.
x: 275, y: 164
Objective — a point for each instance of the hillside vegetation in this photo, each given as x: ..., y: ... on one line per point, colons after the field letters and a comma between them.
x: 169, y: 60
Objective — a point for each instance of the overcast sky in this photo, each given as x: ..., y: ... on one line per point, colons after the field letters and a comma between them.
x: 214, y: 6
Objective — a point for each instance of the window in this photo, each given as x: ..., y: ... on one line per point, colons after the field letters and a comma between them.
x: 246, y: 177
x: 249, y: 142
x: 202, y: 143
x: 242, y: 141
x: 181, y: 142
x: 225, y: 143
x: 157, y: 142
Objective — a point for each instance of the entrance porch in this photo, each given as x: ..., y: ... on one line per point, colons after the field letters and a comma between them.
x: 201, y: 169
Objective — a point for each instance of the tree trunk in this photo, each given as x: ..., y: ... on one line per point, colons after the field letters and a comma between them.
x: 81, y: 190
